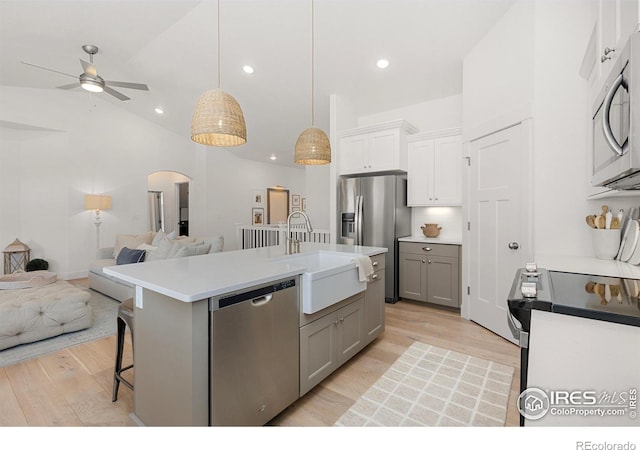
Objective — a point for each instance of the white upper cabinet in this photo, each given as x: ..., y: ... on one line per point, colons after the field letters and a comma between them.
x: 375, y: 148
x: 435, y: 162
x: 615, y: 21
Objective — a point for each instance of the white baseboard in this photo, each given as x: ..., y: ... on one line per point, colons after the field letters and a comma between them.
x: 73, y: 275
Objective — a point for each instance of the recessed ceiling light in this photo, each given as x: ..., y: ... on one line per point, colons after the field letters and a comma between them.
x: 159, y: 110
x: 273, y: 157
x: 382, y: 63
x: 247, y: 69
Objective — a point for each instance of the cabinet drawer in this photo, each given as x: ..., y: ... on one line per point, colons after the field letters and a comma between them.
x: 378, y: 262
x: 450, y: 250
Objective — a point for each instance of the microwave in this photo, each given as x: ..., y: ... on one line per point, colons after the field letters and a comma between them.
x: 616, y: 123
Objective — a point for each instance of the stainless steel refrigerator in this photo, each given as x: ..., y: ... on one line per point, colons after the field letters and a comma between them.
x: 372, y: 211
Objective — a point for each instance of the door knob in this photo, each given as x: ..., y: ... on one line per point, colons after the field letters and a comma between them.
x: 514, y: 245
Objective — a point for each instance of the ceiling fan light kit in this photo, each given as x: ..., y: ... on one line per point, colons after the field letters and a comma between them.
x: 91, y: 84
x: 312, y: 147
x: 218, y: 119
x: 89, y: 80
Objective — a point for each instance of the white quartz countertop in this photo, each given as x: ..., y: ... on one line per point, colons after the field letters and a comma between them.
x: 422, y: 239
x: 588, y: 265
x: 195, y: 278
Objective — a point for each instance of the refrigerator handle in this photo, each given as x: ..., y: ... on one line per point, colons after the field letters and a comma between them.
x: 356, y: 220
x: 359, y: 220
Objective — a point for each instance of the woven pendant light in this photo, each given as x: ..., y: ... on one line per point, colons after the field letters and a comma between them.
x: 218, y: 120
x: 312, y: 147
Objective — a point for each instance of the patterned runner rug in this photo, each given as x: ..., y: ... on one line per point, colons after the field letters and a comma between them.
x: 431, y: 386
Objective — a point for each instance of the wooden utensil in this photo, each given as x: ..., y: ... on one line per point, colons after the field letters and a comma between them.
x: 600, y: 222
x: 591, y: 221
x: 615, y: 223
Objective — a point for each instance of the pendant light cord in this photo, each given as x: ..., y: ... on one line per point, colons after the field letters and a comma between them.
x: 218, y: 44
x: 312, y: 63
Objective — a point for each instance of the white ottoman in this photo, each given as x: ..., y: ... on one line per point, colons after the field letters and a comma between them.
x: 31, y: 314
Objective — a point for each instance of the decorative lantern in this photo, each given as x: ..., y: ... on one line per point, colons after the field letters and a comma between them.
x: 16, y: 256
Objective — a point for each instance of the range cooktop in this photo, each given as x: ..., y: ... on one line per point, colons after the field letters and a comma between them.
x: 596, y: 297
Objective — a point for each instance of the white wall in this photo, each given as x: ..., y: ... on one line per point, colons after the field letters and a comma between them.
x: 230, y: 186
x: 433, y: 115
x: 497, y: 75
x: 532, y: 57
x: 101, y: 148
x: 561, y: 131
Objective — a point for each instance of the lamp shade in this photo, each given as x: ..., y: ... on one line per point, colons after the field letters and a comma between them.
x: 312, y: 148
x: 101, y: 202
x: 218, y: 120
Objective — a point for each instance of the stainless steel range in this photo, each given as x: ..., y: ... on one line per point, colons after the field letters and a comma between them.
x: 577, y: 333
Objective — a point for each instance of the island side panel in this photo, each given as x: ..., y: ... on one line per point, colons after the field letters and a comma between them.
x: 171, y: 361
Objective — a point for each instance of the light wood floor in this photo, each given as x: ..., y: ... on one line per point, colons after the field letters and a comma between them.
x: 72, y: 387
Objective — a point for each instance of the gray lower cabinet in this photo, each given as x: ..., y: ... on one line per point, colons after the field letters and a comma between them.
x: 374, y: 301
x: 430, y: 273
x: 328, y: 342
x: 331, y: 337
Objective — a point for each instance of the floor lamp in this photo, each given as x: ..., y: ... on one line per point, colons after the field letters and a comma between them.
x: 97, y: 203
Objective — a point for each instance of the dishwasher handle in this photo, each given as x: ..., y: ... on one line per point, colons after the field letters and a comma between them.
x: 260, y: 301
x: 258, y: 296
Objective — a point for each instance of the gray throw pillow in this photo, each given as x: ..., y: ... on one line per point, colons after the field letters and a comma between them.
x: 130, y: 256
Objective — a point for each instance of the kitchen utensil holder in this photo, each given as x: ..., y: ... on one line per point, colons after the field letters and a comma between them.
x: 606, y: 243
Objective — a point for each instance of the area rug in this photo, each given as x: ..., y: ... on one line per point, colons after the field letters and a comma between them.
x: 104, y: 311
x: 431, y: 386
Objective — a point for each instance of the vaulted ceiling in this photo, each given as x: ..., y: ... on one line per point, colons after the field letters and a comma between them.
x: 171, y: 45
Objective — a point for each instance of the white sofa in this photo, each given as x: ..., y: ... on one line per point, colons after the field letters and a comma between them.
x: 156, y: 246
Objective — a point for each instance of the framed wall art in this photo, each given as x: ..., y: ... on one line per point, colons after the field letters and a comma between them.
x: 257, y: 216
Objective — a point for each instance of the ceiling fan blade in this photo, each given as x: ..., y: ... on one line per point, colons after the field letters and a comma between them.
x: 116, y: 94
x: 50, y: 70
x: 68, y: 86
x: 89, y: 68
x: 124, y: 84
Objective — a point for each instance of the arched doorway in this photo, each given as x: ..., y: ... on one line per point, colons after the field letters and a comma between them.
x: 168, y: 202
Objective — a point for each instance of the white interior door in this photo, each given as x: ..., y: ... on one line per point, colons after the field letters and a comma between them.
x: 500, y: 235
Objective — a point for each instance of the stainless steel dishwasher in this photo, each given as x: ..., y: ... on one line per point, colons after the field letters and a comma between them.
x: 254, y: 353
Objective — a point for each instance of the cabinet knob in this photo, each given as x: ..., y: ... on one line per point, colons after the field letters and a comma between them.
x: 375, y: 263
x: 608, y: 50
x: 336, y: 322
x: 604, y: 58
x: 374, y: 276
x: 429, y: 261
x: 426, y: 249
x: 423, y: 261
x: 514, y: 245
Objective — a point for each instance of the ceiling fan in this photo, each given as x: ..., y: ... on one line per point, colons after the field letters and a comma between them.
x: 91, y: 81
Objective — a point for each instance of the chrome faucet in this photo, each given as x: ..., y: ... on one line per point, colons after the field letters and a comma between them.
x: 293, y: 246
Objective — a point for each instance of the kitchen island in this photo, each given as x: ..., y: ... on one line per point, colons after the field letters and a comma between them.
x: 173, y: 322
